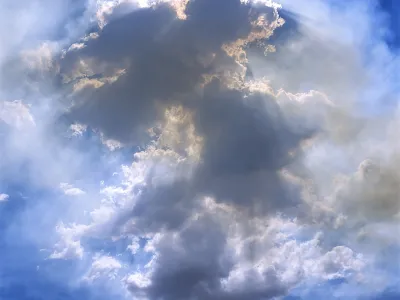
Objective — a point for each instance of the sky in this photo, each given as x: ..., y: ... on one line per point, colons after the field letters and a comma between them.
x: 199, y: 149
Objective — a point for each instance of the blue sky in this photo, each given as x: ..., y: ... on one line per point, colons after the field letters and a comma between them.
x: 391, y: 7
x: 139, y: 162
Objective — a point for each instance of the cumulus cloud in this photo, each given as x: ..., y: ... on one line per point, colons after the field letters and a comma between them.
x: 103, y: 266
x: 235, y: 262
x: 244, y: 112
x: 220, y: 149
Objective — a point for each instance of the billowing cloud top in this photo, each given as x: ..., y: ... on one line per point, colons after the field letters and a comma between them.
x: 198, y: 149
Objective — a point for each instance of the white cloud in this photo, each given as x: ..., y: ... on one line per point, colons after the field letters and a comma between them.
x: 138, y: 280
x: 40, y: 59
x: 70, y: 190
x: 74, y: 192
x: 69, y: 249
x: 78, y: 129
x: 135, y: 246
x: 279, y: 251
x: 338, y: 261
x: 69, y: 246
x: 103, y: 266
x: 269, y: 3
x: 16, y: 114
x: 3, y: 197
x: 111, y: 144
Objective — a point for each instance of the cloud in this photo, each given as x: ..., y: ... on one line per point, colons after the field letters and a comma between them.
x: 373, y: 189
x: 70, y: 190
x: 209, y: 149
x: 262, y: 124
x: 172, y: 56
x: 16, y: 114
x: 189, y: 58
x: 224, y: 271
x: 103, y: 266
x: 4, y: 197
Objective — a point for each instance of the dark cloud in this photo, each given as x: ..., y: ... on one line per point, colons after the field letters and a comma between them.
x: 163, y: 57
x: 208, y: 191
x: 246, y: 143
x: 192, y: 263
x: 246, y: 140
x: 166, y: 206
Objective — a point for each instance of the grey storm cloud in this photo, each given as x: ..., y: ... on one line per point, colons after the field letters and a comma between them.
x: 192, y: 266
x: 246, y: 142
x: 246, y: 139
x: 165, y: 57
